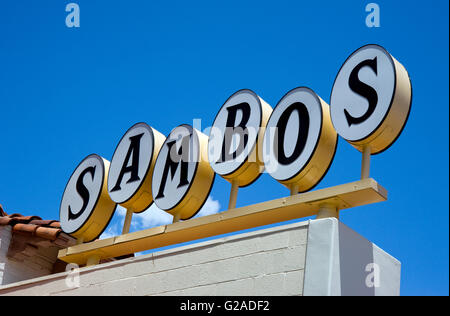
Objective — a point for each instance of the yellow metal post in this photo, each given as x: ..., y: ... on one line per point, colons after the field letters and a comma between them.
x: 233, y: 194
x: 327, y: 210
x: 127, y: 223
x: 294, y: 189
x: 365, y: 165
x: 176, y: 218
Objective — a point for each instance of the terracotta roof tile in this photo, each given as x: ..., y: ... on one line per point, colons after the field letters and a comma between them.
x: 5, y: 220
x: 41, y: 222
x: 2, y: 212
x: 31, y: 225
x: 55, y: 224
x: 24, y: 228
x: 47, y: 233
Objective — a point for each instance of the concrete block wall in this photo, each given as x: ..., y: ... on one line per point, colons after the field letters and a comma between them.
x: 319, y: 257
x: 269, y: 262
x: 5, y: 240
x: 36, y: 262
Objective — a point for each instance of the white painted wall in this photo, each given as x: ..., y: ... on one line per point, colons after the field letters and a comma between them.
x: 274, y: 261
x: 340, y: 262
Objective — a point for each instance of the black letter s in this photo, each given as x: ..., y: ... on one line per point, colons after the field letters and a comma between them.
x: 83, y: 192
x: 363, y: 90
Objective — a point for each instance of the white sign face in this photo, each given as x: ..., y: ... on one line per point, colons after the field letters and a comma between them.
x: 363, y: 92
x: 292, y: 133
x: 82, y: 194
x: 234, y: 132
x: 175, y: 167
x: 130, y: 163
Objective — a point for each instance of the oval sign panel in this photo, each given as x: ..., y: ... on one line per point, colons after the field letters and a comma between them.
x: 371, y: 99
x: 236, y: 137
x: 300, y: 141
x: 182, y: 178
x: 86, y: 207
x: 129, y: 179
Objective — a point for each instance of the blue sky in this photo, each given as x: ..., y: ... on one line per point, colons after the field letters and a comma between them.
x: 69, y: 92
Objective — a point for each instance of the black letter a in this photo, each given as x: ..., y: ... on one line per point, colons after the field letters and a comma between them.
x: 134, y: 168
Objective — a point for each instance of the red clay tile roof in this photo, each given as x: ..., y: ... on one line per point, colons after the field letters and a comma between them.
x: 31, y: 225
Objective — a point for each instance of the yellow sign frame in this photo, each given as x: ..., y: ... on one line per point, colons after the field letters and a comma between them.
x: 311, y: 203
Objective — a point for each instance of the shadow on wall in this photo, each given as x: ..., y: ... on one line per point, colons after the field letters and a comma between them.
x: 355, y: 255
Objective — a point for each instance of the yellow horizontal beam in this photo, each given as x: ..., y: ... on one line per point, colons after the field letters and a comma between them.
x: 343, y: 196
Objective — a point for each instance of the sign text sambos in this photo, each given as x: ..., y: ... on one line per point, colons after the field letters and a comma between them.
x: 294, y: 142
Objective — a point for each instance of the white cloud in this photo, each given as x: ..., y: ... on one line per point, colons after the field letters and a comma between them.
x: 111, y: 231
x: 210, y: 207
x: 152, y: 217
